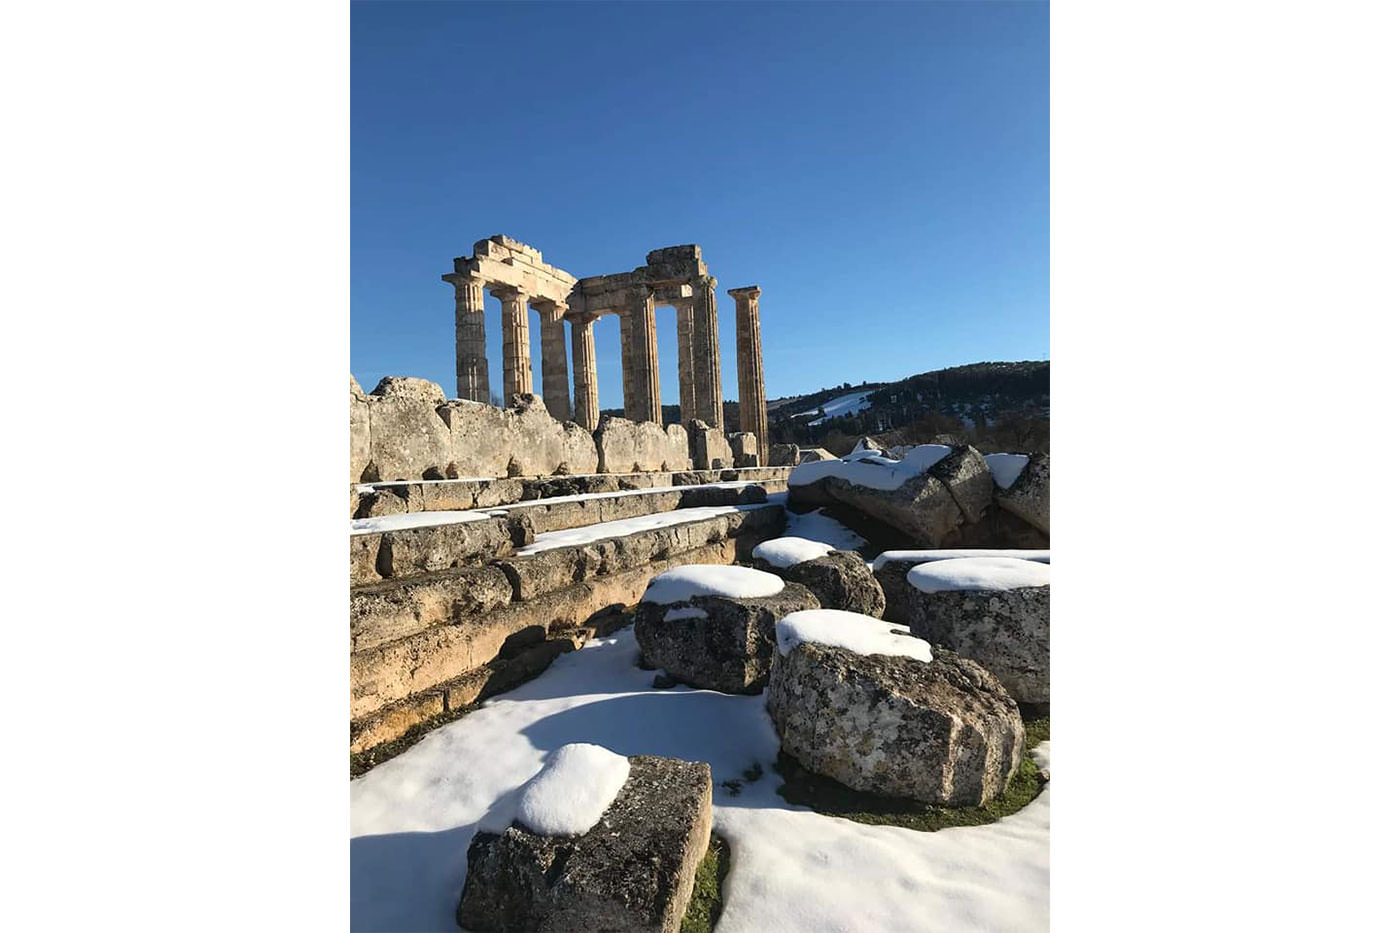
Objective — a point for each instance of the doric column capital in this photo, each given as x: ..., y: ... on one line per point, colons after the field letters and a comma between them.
x: 550, y: 311
x: 704, y: 281
x: 747, y: 291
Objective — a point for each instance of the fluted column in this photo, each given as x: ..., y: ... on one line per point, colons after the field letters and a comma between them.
x: 753, y: 407
x: 585, y: 373
x: 642, y: 375
x: 709, y: 399
x: 515, y: 342
x: 555, y: 359
x: 685, y: 358
x: 473, y: 375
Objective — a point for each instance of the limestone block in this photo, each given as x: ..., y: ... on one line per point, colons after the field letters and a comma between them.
x: 709, y: 448
x: 743, y: 445
x: 809, y: 454
x: 717, y: 642
x: 1029, y: 497
x: 478, y: 441
x: 839, y: 580
x: 405, y: 552
x: 942, y: 731
x: 407, y: 438
x: 359, y: 434
x: 783, y: 455
x: 626, y: 446
x: 410, y: 387
x: 677, y: 448
x: 634, y: 870
x: 1006, y: 631
x: 383, y: 612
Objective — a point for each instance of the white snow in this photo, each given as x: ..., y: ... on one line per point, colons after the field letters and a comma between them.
x: 572, y: 537
x: 684, y: 612
x: 793, y: 870
x: 818, y: 526
x: 978, y: 573
x: 574, y: 788
x: 405, y: 520
x: 841, y: 405
x: 852, y: 631
x: 784, y: 552
x: 690, y: 580
x: 907, y: 557
x: 871, y: 470
x: 1006, y: 467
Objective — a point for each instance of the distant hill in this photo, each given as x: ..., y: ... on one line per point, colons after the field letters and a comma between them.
x: 994, y: 406
x: 1005, y: 406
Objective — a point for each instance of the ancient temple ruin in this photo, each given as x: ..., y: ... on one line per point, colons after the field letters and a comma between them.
x: 676, y: 276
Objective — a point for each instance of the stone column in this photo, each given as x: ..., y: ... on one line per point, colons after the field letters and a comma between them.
x: 753, y: 407
x: 515, y: 342
x: 685, y: 358
x: 642, y: 374
x: 556, y: 359
x: 585, y: 372
x: 473, y: 376
x: 709, y: 399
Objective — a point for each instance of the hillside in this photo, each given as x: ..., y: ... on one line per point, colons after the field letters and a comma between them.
x: 1000, y: 405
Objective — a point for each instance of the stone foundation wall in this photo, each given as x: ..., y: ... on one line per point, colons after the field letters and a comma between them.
x: 407, y: 429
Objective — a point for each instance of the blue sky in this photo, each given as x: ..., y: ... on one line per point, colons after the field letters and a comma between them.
x: 880, y: 169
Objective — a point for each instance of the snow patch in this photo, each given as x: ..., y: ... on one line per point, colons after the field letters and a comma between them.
x: 1006, y: 467
x: 573, y: 537
x: 784, y: 552
x: 924, y: 556
x: 818, y: 526
x: 574, y: 788
x: 679, y: 613
x: 406, y: 520
x: 852, y: 631
x: 841, y: 405
x: 871, y: 470
x: 978, y: 573
x: 412, y: 818
x: 680, y: 584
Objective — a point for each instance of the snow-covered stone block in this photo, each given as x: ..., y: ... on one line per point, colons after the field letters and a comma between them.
x: 1028, y: 497
x: 728, y: 645
x: 632, y: 868
x: 839, y: 579
x: 866, y: 703
x: 994, y: 610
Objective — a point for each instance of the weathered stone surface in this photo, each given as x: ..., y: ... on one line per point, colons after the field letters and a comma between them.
x: 408, y: 551
x: 730, y: 649
x: 410, y: 387
x: 407, y: 439
x: 839, y: 580
x: 743, y: 445
x: 944, y: 731
x: 1006, y: 631
x: 359, y: 433
x: 628, y: 446
x: 364, y: 558
x: 809, y: 454
x: 633, y: 871
x: 783, y: 455
x: 382, y: 612
x: 709, y: 448
x: 1029, y: 497
x: 929, y: 507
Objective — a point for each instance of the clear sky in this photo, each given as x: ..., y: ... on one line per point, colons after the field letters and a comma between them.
x: 880, y: 169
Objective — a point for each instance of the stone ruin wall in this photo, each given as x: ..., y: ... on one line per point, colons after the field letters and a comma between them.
x: 408, y: 430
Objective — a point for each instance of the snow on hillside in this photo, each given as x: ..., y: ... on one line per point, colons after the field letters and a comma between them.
x: 842, y: 405
x: 413, y: 817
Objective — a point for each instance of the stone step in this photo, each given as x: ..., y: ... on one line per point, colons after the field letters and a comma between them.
x: 368, y: 500
x: 413, y: 543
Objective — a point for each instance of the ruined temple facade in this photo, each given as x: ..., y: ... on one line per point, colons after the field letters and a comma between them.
x: 676, y: 276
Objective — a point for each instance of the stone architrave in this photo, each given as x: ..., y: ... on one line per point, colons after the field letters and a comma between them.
x: 473, y: 370
x: 515, y: 342
x: 753, y: 407
x: 585, y: 372
x: 555, y: 359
